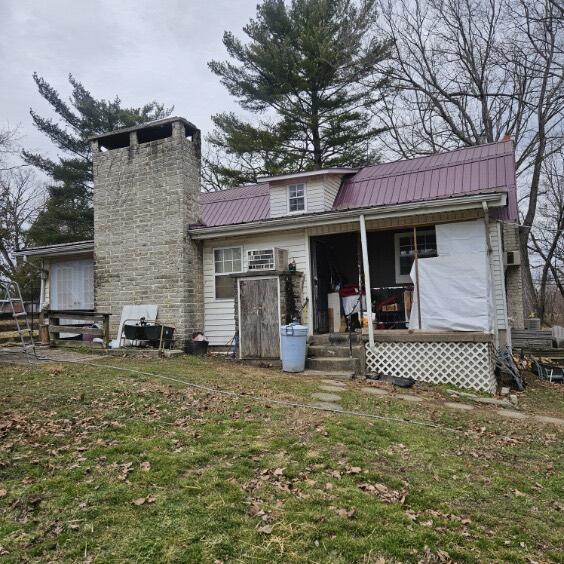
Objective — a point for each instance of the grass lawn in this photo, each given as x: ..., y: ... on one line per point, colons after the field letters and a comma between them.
x: 100, y: 465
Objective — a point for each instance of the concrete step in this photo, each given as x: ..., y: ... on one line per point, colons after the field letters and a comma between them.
x: 334, y: 351
x: 333, y: 364
x: 341, y: 339
x: 333, y: 375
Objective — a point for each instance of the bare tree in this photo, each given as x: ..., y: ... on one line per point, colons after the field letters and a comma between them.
x: 468, y: 72
x: 19, y: 204
x: 547, y: 236
x: 20, y: 196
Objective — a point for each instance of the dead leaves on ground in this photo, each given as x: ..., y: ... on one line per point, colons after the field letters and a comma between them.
x: 144, y: 500
x: 385, y: 494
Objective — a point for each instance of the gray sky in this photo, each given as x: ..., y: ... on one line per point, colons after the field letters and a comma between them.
x: 141, y: 50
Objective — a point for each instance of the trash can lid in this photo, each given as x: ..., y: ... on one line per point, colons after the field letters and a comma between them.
x: 294, y: 329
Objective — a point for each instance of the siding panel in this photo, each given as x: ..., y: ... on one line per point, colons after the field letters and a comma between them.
x: 219, y: 318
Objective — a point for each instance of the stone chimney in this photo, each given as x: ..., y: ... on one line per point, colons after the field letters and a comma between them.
x: 146, y: 194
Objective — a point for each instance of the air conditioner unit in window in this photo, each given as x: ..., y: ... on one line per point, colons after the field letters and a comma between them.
x: 512, y: 258
x: 267, y: 259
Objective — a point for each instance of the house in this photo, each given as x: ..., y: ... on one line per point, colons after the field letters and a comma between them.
x: 434, y: 238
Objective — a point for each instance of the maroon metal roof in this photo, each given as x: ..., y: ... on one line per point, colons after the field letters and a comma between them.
x: 462, y: 172
x: 235, y: 205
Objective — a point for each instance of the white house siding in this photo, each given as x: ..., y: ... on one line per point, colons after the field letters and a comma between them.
x: 320, y: 192
x: 332, y: 184
x: 498, y: 274
x: 219, y: 315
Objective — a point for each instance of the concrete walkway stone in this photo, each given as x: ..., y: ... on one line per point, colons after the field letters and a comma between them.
x: 328, y: 388
x: 328, y: 405
x: 334, y: 383
x: 548, y: 419
x: 326, y: 397
x: 376, y: 391
x: 408, y: 397
x: 461, y: 406
x: 512, y: 414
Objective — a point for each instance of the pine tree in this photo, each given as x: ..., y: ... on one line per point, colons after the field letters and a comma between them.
x: 68, y: 214
x: 303, y: 67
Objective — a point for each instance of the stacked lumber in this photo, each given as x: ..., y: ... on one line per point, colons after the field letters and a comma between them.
x: 531, y: 339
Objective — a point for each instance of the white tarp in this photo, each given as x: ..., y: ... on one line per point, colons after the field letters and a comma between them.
x: 134, y: 313
x: 455, y: 287
x: 456, y: 239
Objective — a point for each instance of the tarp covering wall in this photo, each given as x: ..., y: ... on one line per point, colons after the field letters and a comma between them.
x: 455, y: 287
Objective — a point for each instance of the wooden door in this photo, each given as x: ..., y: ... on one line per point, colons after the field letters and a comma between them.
x: 259, y: 318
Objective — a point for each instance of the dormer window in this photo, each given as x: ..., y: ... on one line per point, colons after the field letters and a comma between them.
x: 296, y: 198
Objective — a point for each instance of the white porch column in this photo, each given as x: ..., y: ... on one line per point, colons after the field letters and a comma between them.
x: 367, y: 286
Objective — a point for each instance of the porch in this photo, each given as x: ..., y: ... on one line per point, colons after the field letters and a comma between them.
x: 464, y: 359
x: 435, y: 310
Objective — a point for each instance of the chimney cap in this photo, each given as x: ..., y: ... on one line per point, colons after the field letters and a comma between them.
x: 190, y: 127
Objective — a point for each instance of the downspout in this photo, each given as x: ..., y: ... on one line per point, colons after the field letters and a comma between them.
x: 490, y: 252
x: 367, y: 285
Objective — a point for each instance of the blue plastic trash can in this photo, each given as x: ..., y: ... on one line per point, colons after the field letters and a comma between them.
x: 293, y: 346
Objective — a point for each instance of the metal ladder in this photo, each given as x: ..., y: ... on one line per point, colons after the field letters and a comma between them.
x: 12, y: 295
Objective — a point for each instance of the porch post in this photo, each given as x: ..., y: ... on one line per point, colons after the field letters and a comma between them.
x: 366, y: 268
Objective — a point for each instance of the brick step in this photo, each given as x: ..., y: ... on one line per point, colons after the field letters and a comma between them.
x: 333, y: 364
x: 341, y: 339
x: 334, y: 351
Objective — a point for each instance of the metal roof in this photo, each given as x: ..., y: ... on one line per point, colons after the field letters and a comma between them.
x: 471, y: 170
x: 479, y: 169
x: 235, y: 205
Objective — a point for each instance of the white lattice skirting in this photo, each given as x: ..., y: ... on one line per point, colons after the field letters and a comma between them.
x: 467, y: 365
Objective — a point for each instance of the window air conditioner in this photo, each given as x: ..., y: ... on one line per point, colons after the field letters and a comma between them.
x: 512, y: 258
x: 267, y: 259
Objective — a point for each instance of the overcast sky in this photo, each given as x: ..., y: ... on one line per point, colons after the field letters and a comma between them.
x: 141, y: 50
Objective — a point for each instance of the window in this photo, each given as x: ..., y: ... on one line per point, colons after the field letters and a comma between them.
x: 296, y: 198
x: 226, y: 261
x: 405, y: 251
x: 71, y: 285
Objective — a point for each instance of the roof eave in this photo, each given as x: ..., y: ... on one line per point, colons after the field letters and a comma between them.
x: 62, y: 249
x: 493, y: 199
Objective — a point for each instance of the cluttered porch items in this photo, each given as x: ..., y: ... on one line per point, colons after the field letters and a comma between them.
x: 353, y: 303
x: 391, y: 308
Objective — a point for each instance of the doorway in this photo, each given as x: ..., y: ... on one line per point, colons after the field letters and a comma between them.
x: 335, y: 263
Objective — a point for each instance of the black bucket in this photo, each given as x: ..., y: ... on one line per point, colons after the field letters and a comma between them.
x: 197, y: 348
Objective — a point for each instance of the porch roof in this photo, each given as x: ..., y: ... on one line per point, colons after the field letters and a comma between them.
x: 60, y: 249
